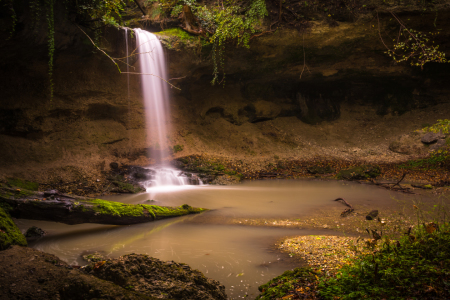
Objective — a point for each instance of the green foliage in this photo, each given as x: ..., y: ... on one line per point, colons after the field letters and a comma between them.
x: 436, y: 159
x: 441, y: 126
x: 50, y: 16
x: 176, y: 10
x: 412, y: 267
x: 285, y: 283
x: 416, y: 47
x: 228, y: 26
x: 225, y: 22
x: 177, y: 148
x: 9, y: 233
x: 97, y: 12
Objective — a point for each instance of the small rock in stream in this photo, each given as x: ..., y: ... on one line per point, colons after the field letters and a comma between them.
x: 372, y: 215
x: 35, y: 233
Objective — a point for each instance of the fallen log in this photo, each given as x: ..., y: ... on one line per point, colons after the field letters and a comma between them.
x: 57, y: 207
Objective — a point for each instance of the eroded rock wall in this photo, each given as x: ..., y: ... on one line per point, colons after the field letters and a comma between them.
x: 330, y: 90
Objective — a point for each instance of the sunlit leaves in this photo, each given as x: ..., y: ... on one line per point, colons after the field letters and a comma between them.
x: 417, y: 48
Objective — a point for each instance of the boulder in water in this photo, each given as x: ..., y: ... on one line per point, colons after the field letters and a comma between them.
x: 156, y: 278
x: 372, y: 215
x: 35, y: 233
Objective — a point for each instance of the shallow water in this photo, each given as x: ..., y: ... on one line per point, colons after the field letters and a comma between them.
x: 240, y: 257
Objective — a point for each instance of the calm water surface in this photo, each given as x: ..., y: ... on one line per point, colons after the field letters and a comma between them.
x: 240, y: 257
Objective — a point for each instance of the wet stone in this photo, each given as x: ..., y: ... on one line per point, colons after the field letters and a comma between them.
x: 93, y: 257
x: 431, y: 137
x: 35, y: 233
x: 372, y: 215
x: 155, y: 278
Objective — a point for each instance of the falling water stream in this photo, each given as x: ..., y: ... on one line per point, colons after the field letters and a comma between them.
x: 155, y: 94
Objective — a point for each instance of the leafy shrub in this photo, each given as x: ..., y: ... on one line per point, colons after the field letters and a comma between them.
x: 416, y: 266
x: 441, y: 126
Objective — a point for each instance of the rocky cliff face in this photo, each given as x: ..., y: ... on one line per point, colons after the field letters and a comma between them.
x: 330, y: 91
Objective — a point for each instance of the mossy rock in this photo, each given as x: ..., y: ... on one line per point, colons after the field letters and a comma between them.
x: 35, y: 232
x: 124, y: 187
x: 358, y: 173
x: 177, y: 39
x: 156, y: 278
x: 9, y: 233
x: 23, y: 184
x: 283, y: 285
x: 321, y: 170
x: 94, y: 257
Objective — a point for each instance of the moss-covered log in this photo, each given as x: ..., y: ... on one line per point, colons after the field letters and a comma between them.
x: 53, y: 206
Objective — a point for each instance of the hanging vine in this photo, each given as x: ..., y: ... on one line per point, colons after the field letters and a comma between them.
x: 220, y: 24
x: 9, y: 5
x: 97, y: 12
x: 50, y: 16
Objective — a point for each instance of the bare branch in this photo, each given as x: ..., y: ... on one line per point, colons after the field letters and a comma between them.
x: 135, y: 73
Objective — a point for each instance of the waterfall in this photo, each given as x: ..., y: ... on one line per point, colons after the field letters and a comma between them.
x: 128, y: 85
x: 155, y: 92
x: 156, y: 99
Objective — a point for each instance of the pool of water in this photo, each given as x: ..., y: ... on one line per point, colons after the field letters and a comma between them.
x: 240, y: 257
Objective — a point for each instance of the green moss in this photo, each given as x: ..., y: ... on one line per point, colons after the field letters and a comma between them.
x: 177, y: 148
x: 127, y: 187
x: 124, y: 210
x: 280, y: 286
x: 8, y: 193
x: 23, y: 184
x: 418, y: 263
x: 177, y: 32
x: 6, y: 207
x: 166, y: 211
x: 116, y: 208
x: 9, y: 233
x: 361, y: 172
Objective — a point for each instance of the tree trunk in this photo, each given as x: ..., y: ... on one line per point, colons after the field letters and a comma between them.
x: 52, y: 206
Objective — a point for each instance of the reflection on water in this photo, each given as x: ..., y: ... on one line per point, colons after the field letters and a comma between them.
x: 240, y: 257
